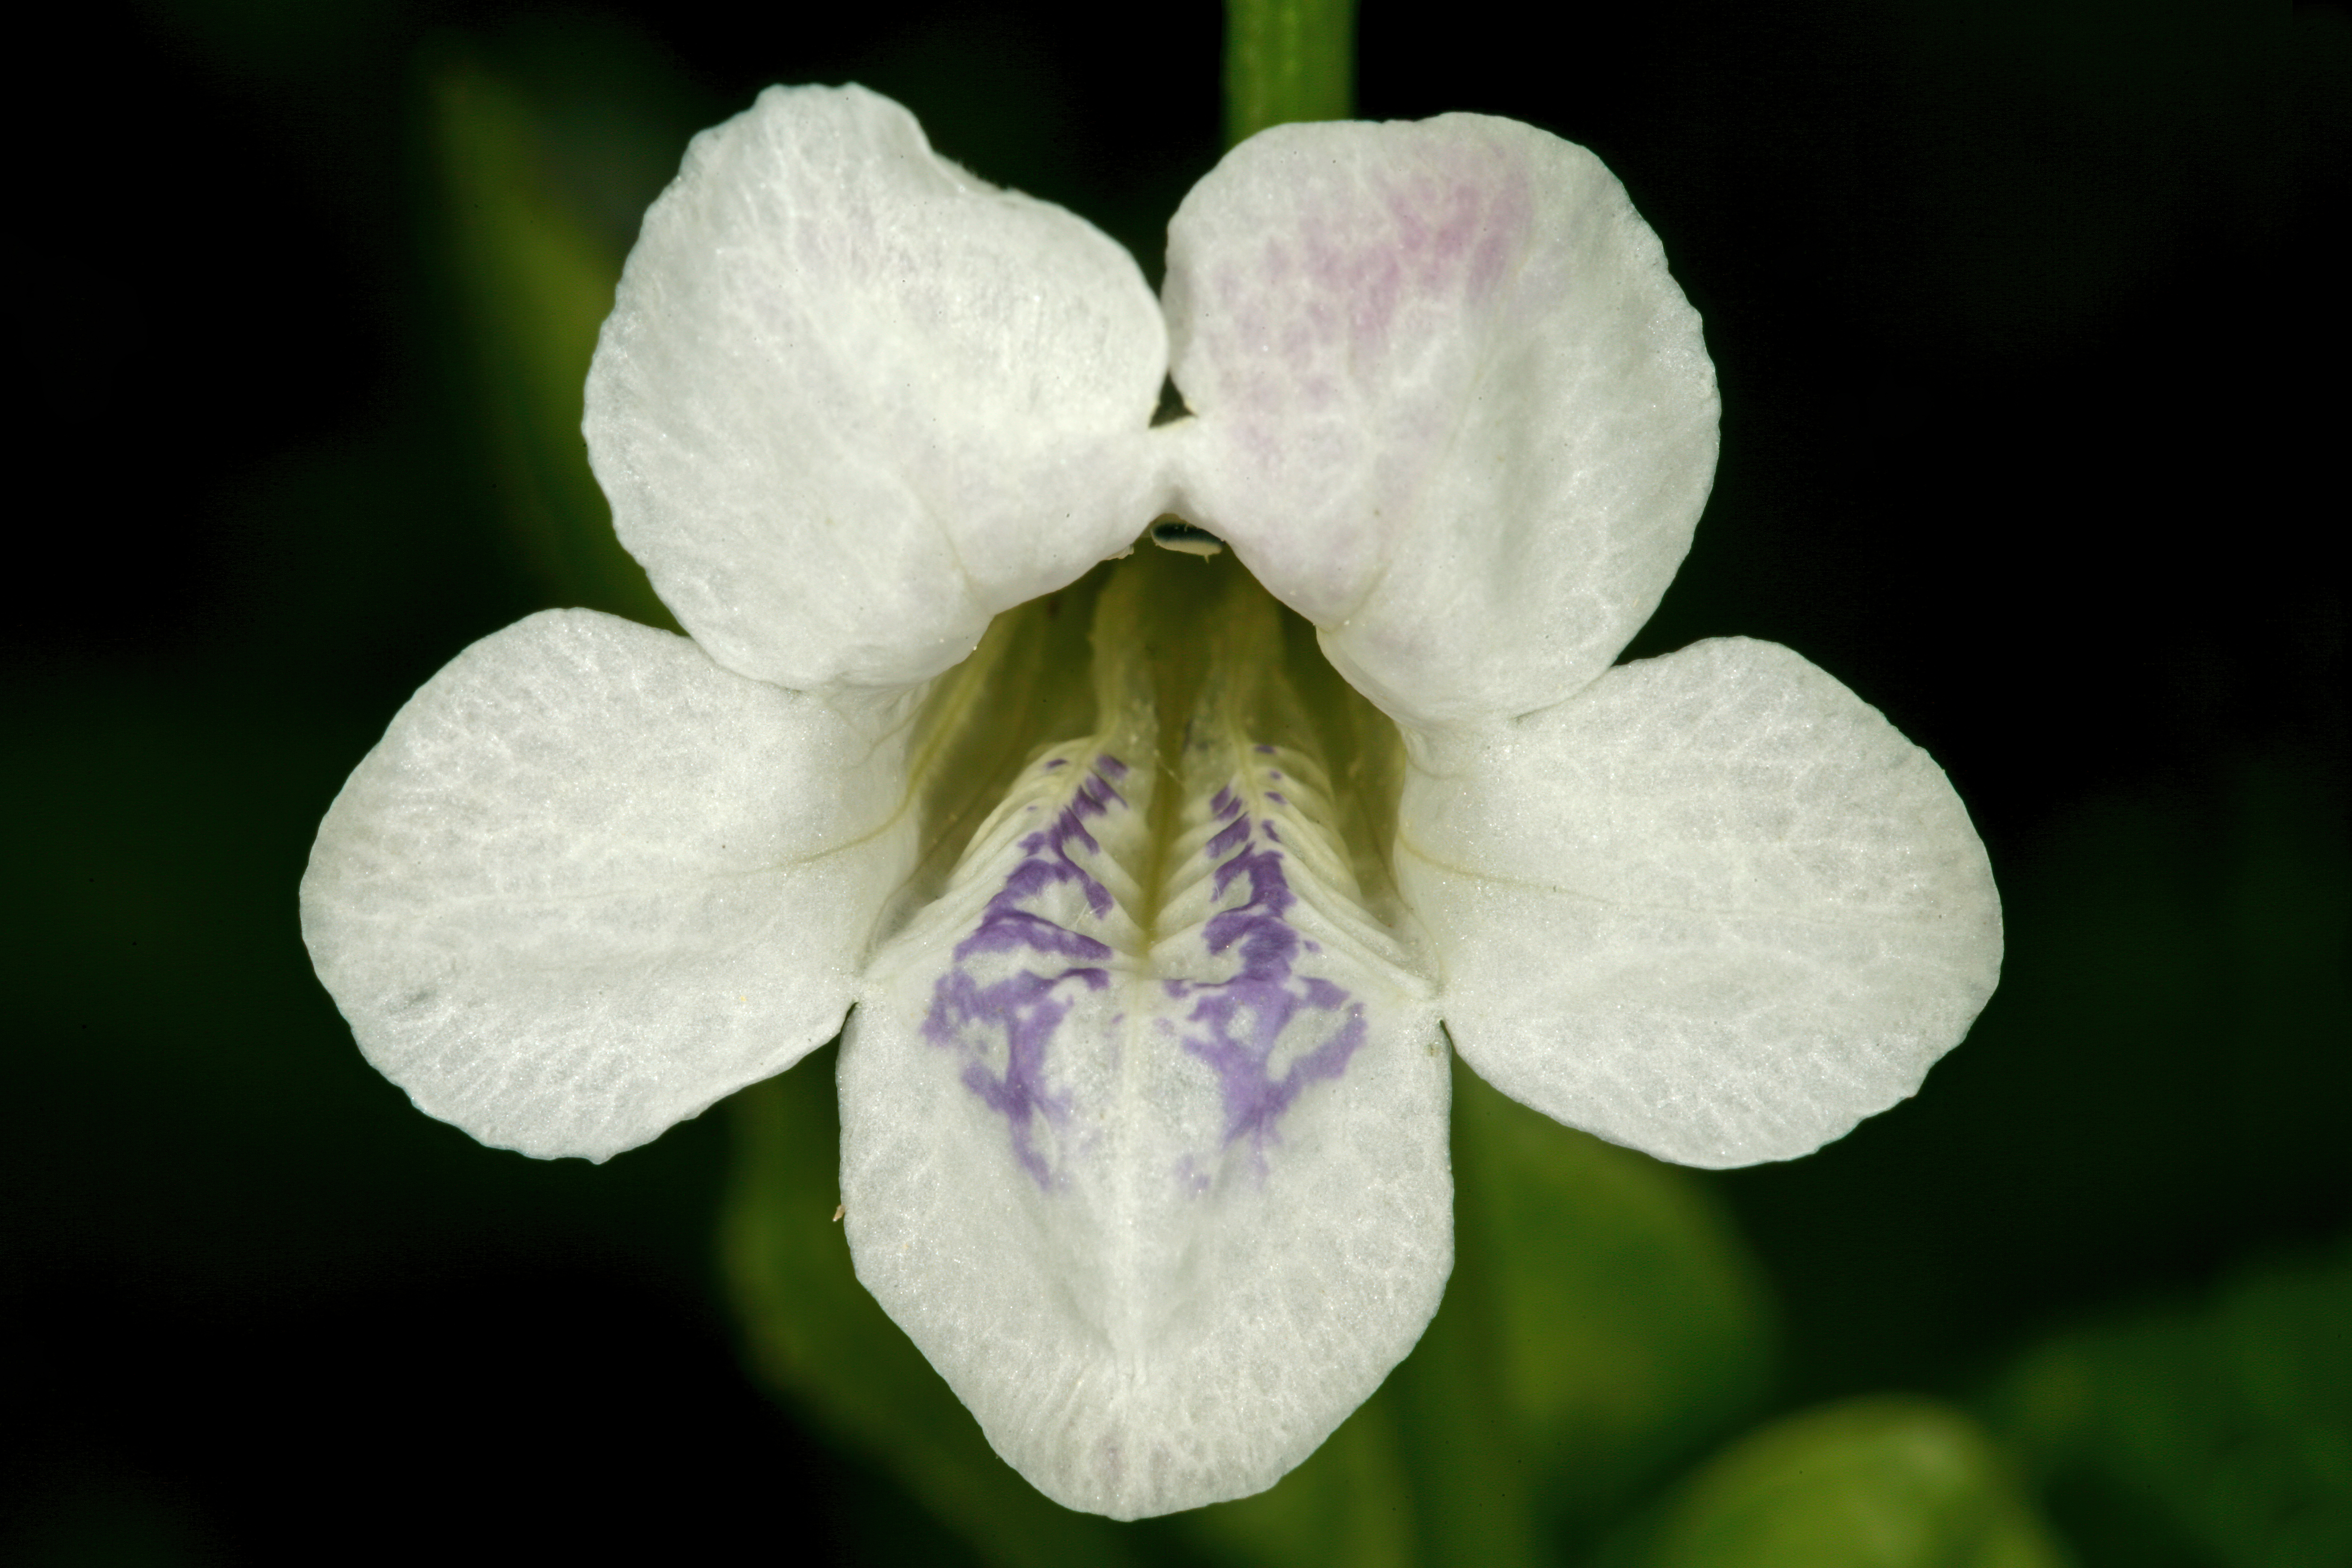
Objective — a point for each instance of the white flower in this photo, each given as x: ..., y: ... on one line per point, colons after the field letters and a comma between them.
x: 1148, y: 921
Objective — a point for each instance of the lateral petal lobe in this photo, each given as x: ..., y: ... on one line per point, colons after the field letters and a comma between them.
x: 590, y: 882
x: 1715, y: 906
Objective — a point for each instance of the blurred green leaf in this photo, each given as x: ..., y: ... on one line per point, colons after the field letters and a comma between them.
x: 1873, y: 1483
x: 1629, y: 1323
x: 817, y: 1335
x: 2222, y: 1430
x: 1602, y: 1323
x: 2156, y: 1087
x: 535, y: 272
x: 1351, y: 1505
x: 84, y: 1516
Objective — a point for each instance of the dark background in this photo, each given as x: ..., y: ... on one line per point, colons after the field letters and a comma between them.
x: 2029, y: 339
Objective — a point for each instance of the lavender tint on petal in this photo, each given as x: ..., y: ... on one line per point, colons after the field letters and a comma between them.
x: 1190, y: 1179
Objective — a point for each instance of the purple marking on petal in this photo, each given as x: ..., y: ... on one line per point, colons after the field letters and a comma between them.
x: 1321, y: 992
x: 1246, y: 1017
x: 1025, y: 1006
x: 1110, y: 766
x: 1053, y: 763
x: 1236, y: 1025
x: 1273, y: 797
x: 1265, y: 751
x: 1028, y: 1004
x: 1015, y: 929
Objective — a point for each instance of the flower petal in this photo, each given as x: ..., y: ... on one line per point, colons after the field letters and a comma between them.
x: 1715, y: 906
x: 1452, y: 409
x: 590, y: 882
x: 850, y: 401
x: 1163, y: 1197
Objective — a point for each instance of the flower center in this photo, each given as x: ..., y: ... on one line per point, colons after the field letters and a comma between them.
x: 1169, y: 886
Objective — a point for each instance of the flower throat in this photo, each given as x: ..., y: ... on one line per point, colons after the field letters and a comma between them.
x: 1184, y: 671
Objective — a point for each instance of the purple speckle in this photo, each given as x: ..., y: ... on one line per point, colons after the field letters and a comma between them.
x: 1242, y: 1020
x: 1028, y: 1004
x: 1014, y: 978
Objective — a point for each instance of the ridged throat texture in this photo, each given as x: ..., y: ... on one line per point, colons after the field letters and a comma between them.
x: 1186, y: 675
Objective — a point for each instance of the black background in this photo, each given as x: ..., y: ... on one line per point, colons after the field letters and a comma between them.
x: 2030, y: 342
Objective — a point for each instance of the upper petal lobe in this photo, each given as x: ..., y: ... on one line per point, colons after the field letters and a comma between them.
x: 1451, y: 406
x: 850, y: 401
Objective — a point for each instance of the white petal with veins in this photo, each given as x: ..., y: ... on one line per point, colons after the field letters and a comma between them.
x: 1162, y: 1198
x: 850, y: 401
x: 1715, y: 908
x: 589, y: 882
x: 1452, y: 409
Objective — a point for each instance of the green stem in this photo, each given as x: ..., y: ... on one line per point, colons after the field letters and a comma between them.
x: 1287, y: 60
